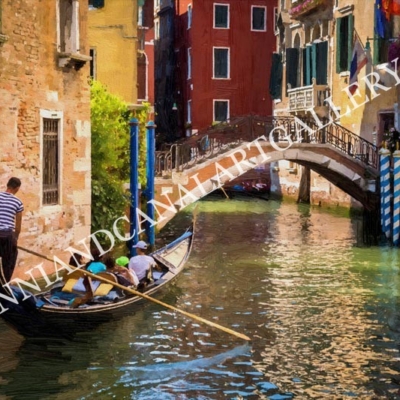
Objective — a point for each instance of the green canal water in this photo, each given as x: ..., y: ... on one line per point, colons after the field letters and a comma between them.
x: 323, y: 313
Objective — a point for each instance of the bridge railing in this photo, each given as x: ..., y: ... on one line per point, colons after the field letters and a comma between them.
x: 215, y: 140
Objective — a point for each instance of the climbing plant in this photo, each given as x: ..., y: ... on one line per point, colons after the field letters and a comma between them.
x: 110, y: 156
x: 110, y: 118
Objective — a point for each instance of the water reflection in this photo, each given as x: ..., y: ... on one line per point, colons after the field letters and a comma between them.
x: 322, y: 314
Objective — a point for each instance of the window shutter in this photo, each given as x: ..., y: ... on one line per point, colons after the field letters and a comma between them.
x: 307, y: 66
x: 292, y: 62
x: 275, y: 82
x: 350, y: 40
x: 98, y: 3
x: 313, y: 61
x: 322, y: 62
x: 339, y: 22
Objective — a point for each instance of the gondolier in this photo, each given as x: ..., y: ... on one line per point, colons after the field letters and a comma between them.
x: 11, y: 208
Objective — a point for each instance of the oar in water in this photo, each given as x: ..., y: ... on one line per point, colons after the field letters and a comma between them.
x: 145, y: 296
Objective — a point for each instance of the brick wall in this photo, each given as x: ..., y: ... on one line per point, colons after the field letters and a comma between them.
x: 32, y: 83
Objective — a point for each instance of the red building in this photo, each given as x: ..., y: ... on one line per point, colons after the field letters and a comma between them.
x: 223, y: 51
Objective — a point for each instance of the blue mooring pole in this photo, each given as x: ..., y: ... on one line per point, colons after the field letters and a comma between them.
x: 385, y: 192
x: 396, y: 198
x: 134, y: 182
x: 150, y: 166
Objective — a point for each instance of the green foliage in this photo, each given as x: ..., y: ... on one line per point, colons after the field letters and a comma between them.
x: 110, y: 118
x: 110, y: 156
x: 142, y: 116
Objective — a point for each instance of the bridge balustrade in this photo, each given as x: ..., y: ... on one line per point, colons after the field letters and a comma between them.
x: 215, y: 140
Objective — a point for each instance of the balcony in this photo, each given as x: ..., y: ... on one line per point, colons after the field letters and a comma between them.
x: 302, y: 99
x: 303, y: 8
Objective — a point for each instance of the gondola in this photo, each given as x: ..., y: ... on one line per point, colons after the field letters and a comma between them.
x: 54, y: 314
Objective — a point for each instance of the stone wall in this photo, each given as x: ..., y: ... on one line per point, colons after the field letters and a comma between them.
x: 33, y: 87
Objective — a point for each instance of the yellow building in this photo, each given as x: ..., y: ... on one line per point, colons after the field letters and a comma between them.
x: 113, y: 39
x: 315, y: 44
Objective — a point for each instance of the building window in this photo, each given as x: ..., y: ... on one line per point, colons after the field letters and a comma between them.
x: 157, y: 29
x: 142, y: 76
x: 189, y: 112
x: 221, y: 16
x: 189, y: 63
x: 68, y: 32
x: 189, y: 16
x: 221, y: 63
x: 221, y: 110
x: 93, y: 63
x: 51, y: 124
x: 258, y: 18
x: 344, y: 42
x: 96, y: 3
x: 276, y: 16
x: 140, y: 16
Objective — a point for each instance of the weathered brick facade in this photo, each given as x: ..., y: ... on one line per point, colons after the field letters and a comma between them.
x: 44, y: 76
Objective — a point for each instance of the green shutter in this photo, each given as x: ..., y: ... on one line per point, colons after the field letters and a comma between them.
x: 275, y: 82
x: 307, y: 66
x: 322, y: 62
x: 292, y: 65
x: 338, y: 43
x: 304, y: 53
x: 350, y: 39
x: 313, y: 61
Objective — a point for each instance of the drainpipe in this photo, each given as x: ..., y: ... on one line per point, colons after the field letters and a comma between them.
x: 134, y: 183
x: 150, y: 168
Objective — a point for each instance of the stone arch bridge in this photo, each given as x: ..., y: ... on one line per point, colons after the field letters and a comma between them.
x: 196, y: 166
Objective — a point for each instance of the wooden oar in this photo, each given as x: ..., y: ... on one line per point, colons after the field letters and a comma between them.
x: 145, y: 296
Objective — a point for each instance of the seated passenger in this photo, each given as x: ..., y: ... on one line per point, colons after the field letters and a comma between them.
x: 76, y: 260
x: 95, y: 266
x: 142, y: 264
x: 124, y: 275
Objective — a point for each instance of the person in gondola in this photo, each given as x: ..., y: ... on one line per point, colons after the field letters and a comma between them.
x: 95, y: 265
x: 76, y: 260
x: 124, y: 276
x: 11, y: 208
x: 142, y: 264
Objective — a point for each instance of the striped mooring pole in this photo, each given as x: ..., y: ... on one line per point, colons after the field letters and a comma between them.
x: 396, y: 198
x: 385, y: 191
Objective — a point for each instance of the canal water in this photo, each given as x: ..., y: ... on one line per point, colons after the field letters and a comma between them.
x: 322, y: 312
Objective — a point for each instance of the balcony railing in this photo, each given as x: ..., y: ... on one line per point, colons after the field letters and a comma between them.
x: 305, y: 98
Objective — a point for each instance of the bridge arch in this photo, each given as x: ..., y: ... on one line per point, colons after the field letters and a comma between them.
x: 189, y: 185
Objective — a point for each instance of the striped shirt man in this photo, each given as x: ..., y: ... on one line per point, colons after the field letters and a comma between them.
x: 9, y: 207
x: 10, y: 227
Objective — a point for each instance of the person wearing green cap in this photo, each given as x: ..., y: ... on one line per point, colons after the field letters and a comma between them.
x: 119, y: 268
x: 122, y: 261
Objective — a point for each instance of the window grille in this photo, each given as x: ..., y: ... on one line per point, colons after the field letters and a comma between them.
x: 50, y: 161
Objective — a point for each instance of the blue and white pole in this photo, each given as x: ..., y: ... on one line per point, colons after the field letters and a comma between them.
x: 385, y: 191
x: 396, y: 198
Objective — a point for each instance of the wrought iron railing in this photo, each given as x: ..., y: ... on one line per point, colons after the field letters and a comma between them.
x: 216, y: 140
